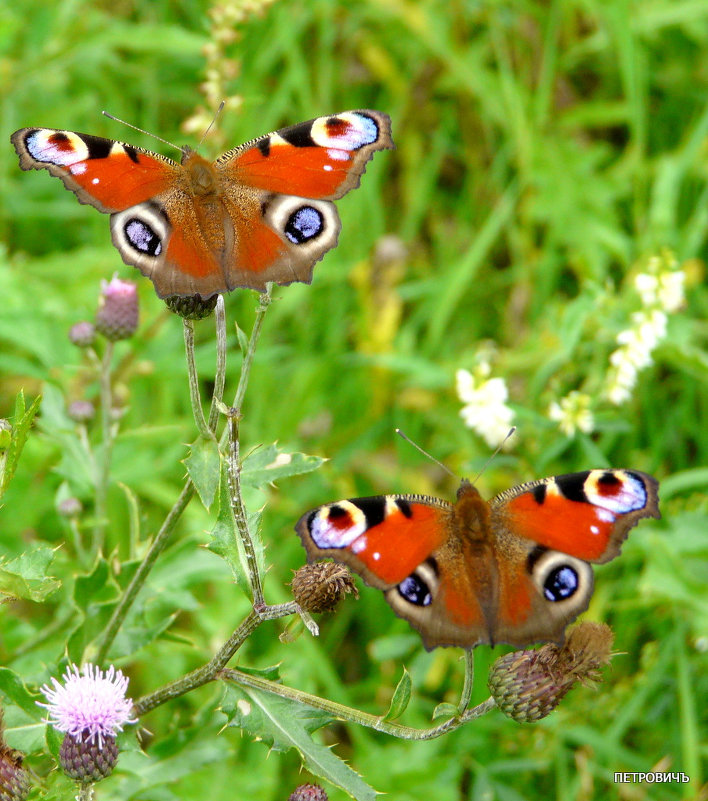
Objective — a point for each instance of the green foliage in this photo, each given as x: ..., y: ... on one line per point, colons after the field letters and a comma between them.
x: 547, y: 155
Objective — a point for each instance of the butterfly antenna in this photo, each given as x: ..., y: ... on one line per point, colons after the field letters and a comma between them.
x: 211, y: 124
x: 498, y: 448
x: 425, y: 453
x: 147, y: 133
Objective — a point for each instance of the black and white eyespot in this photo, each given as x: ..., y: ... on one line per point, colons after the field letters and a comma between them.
x: 140, y: 233
x: 309, y: 225
x: 560, y: 578
x: 305, y: 223
x: 420, y: 587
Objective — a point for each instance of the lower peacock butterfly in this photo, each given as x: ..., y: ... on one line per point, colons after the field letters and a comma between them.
x: 514, y: 569
x: 261, y: 212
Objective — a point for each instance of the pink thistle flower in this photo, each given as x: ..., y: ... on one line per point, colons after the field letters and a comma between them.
x: 89, y: 705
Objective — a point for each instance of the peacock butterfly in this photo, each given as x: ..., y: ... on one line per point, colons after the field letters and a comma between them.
x: 261, y: 212
x: 514, y: 569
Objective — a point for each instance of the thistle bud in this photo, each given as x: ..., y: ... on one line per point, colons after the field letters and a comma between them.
x: 192, y: 307
x: 319, y: 587
x: 85, y: 759
x: 528, y: 685
x: 117, y: 315
x: 308, y: 792
x: 82, y: 334
x: 14, y: 778
x: 81, y: 411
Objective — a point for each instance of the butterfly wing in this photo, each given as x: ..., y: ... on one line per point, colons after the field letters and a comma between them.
x: 154, y: 222
x: 277, y: 192
x: 547, y: 532
x: 404, y: 545
x: 109, y: 175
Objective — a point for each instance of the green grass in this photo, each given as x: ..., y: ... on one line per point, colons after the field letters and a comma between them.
x: 545, y: 151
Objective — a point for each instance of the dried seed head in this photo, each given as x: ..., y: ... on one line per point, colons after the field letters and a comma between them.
x: 319, y: 587
x: 528, y: 685
x: 192, y: 307
x: 117, y: 315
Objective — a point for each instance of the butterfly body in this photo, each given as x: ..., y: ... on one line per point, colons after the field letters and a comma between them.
x: 515, y: 569
x: 261, y: 212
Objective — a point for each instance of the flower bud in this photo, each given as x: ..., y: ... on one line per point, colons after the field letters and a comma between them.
x: 192, y: 307
x: 70, y: 507
x: 319, y: 587
x: 82, y: 334
x: 528, y: 685
x: 117, y: 315
x: 14, y: 779
x: 81, y: 411
x: 87, y: 760
x: 308, y: 792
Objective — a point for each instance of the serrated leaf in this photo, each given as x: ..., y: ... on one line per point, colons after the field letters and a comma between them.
x: 26, y: 576
x: 97, y: 587
x: 21, y: 424
x: 445, y: 710
x: 14, y: 689
x: 401, y: 697
x: 268, y: 464
x: 226, y: 542
x: 283, y: 724
x: 204, y: 467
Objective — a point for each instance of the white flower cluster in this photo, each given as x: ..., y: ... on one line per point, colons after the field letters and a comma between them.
x: 572, y: 413
x: 661, y: 291
x: 485, y: 409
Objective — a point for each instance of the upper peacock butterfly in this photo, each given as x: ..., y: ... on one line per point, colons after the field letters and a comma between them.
x: 514, y: 569
x: 261, y: 212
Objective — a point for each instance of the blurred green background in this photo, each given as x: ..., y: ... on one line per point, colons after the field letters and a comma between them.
x: 545, y: 152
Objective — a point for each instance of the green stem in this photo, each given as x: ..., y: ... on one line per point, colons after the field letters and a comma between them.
x: 85, y: 792
x: 197, y: 411
x: 104, y: 467
x: 352, y: 715
x: 233, y: 469
x: 212, y: 669
x: 466, y: 693
x: 264, y: 301
x: 136, y: 584
x: 220, y: 377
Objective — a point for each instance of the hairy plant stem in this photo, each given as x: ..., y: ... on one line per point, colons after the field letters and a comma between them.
x: 85, y: 792
x: 264, y: 301
x: 466, y: 693
x: 197, y: 411
x: 216, y: 669
x: 233, y: 458
x: 211, y: 670
x: 104, y: 466
x: 238, y: 509
x: 351, y: 715
x: 136, y: 583
x: 220, y: 377
x: 162, y: 536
